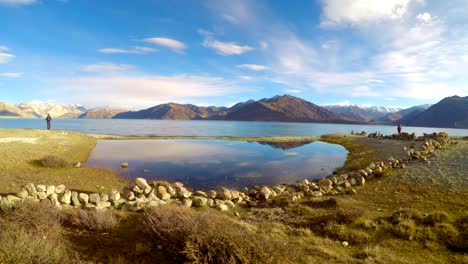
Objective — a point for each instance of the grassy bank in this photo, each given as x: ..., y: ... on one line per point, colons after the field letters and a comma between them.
x: 22, y: 150
x: 414, y: 215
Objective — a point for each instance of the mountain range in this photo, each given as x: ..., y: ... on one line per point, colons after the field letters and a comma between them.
x: 451, y: 112
x: 284, y: 108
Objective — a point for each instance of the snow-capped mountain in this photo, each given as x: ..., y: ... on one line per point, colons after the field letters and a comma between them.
x: 362, y: 113
x: 41, y: 109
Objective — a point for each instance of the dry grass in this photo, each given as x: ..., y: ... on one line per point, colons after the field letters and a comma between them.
x: 52, y: 161
x: 100, y: 221
x: 32, y: 233
x: 209, y: 237
x: 21, y: 161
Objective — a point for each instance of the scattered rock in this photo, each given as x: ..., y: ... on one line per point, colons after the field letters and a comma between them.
x: 222, y: 207
x: 54, y: 200
x: 124, y: 165
x: 143, y: 185
x: 344, y: 243
x: 30, y: 188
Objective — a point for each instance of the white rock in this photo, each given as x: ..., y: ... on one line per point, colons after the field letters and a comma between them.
x: 59, y: 189
x: 41, y: 188
x: 66, y: 197
x: 83, y: 198
x: 22, y: 193
x: 94, y: 198
x: 50, y: 190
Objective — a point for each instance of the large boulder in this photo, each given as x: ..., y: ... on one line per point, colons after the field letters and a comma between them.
x: 22, y: 193
x: 59, y: 189
x: 224, y: 194
x: 66, y: 197
x: 199, y: 201
x: 83, y: 198
x: 49, y: 190
x: 30, y: 188
x: 54, y: 199
x: 143, y: 185
x: 265, y: 193
x: 41, y: 188
x: 162, y: 193
x: 94, y: 198
x: 74, y: 199
x: 114, y: 195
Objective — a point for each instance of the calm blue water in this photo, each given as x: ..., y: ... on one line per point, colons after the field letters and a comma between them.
x: 207, y: 164
x: 209, y: 128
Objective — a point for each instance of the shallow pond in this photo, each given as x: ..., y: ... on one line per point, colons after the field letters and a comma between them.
x: 206, y: 164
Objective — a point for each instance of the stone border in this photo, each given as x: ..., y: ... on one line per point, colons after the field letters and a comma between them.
x: 142, y: 194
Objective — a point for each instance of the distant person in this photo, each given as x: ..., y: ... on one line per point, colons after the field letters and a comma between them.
x: 399, y: 128
x: 48, y: 119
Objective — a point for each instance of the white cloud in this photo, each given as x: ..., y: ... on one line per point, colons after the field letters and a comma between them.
x: 6, y: 57
x: 264, y: 45
x: 253, y: 67
x: 133, y: 50
x: 363, y: 91
x: 226, y: 48
x: 4, y: 48
x: 104, y: 67
x: 424, y: 17
x: 11, y: 74
x: 17, y: 2
x: 246, y: 77
x: 172, y: 44
x: 144, y: 91
x: 362, y: 11
x: 375, y: 81
x: 231, y: 19
x: 293, y: 91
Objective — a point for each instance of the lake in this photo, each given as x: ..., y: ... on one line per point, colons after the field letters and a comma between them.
x: 207, y: 164
x: 209, y: 128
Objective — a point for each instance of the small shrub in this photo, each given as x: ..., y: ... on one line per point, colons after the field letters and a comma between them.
x: 368, y: 252
x: 345, y: 233
x: 446, y: 233
x: 207, y: 237
x: 54, y: 162
x: 405, y: 229
x: 32, y: 233
x: 102, y: 221
x: 347, y: 216
x: 460, y: 242
x: 436, y: 218
x: 406, y: 214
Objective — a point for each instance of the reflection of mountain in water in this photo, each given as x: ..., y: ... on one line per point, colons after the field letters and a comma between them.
x: 285, y: 145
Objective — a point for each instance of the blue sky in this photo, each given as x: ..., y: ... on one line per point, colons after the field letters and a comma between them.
x: 137, y: 54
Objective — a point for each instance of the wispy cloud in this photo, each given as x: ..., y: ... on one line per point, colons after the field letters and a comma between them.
x: 253, y: 67
x: 17, y: 2
x: 132, y: 50
x: 172, y: 44
x: 293, y: 91
x: 226, y: 48
x: 362, y: 11
x: 104, y: 67
x: 246, y: 77
x: 6, y: 57
x: 11, y: 74
x: 144, y: 91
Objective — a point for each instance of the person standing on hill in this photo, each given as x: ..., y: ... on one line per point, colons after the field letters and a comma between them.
x: 48, y: 119
x: 399, y: 128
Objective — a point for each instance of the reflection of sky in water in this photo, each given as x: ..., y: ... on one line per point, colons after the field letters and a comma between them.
x: 205, y: 164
